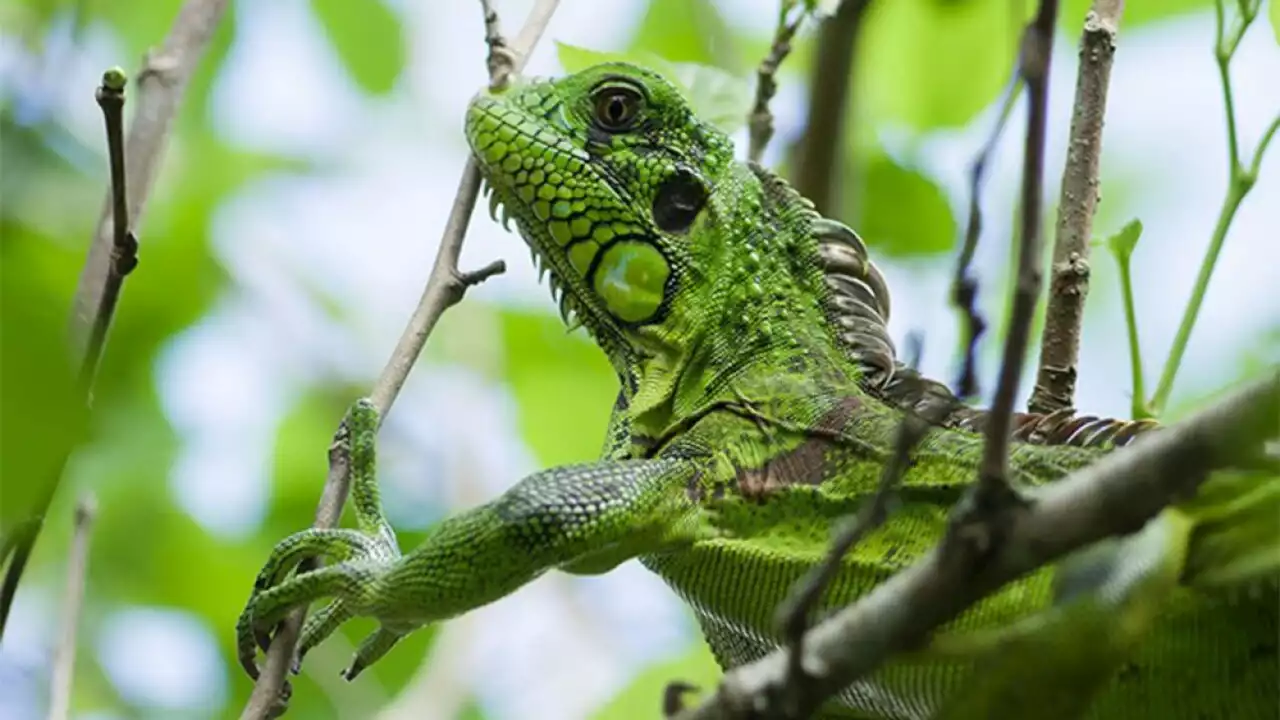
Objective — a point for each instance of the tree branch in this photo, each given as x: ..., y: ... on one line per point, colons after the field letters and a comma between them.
x: 1069, y: 284
x: 760, y: 120
x: 445, y: 288
x: 819, y: 148
x: 161, y: 83
x: 964, y: 287
x: 1033, y: 63
x: 1115, y: 496
x: 113, y: 250
x: 64, y: 659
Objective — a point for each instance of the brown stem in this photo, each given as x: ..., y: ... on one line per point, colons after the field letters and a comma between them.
x: 1112, y: 497
x: 1033, y: 63
x: 113, y: 250
x: 161, y: 83
x: 830, y: 80
x: 1069, y: 281
x: 445, y: 288
x: 760, y: 120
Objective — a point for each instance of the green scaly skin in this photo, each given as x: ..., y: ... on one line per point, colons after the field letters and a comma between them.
x: 746, y: 427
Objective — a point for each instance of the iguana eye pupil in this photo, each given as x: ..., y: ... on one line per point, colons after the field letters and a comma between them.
x: 616, y: 108
x: 678, y: 201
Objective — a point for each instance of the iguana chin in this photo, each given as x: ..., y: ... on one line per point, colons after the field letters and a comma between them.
x: 756, y: 409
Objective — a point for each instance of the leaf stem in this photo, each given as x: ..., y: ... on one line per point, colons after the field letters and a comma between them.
x: 1139, y: 410
x: 1240, y: 181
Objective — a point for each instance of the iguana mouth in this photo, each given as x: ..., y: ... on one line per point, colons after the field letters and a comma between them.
x: 565, y: 210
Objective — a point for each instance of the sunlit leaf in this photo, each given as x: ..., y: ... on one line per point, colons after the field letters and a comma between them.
x: 1125, y: 240
x: 368, y: 38
x: 41, y: 414
x: 1273, y: 12
x: 689, y: 31
x: 932, y: 64
x: 563, y: 385
x: 1136, y: 14
x: 642, y: 697
x: 903, y: 211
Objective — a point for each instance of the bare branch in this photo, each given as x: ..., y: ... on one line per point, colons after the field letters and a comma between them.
x: 760, y: 121
x: 161, y: 83
x: 113, y: 250
x: 64, y: 659
x: 821, y: 147
x: 445, y: 288
x: 1069, y: 283
x: 1114, y: 496
x: 1033, y: 64
x: 964, y: 287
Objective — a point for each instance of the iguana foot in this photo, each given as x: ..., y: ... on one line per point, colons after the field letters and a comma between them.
x: 362, y: 558
x: 353, y: 583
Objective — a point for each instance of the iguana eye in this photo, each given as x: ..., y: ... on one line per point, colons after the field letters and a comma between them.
x: 617, y: 107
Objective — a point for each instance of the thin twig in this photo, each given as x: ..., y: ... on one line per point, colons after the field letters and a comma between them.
x: 760, y: 121
x: 820, y: 147
x: 1114, y: 496
x: 1069, y: 284
x: 124, y: 246
x: 1240, y: 180
x: 445, y: 288
x: 964, y: 287
x: 160, y: 85
x: 64, y: 659
x: 1033, y: 65
x: 110, y: 97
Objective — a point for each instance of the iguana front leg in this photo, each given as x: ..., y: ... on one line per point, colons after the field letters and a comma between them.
x: 581, y: 518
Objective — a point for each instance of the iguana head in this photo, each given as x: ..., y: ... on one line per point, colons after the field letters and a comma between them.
x: 608, y: 174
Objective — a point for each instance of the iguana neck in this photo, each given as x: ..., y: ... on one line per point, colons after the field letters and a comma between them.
x: 762, y: 309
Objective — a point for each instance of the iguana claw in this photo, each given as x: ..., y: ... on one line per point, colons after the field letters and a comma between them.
x: 362, y: 557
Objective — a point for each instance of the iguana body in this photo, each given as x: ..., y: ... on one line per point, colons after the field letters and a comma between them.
x: 757, y: 407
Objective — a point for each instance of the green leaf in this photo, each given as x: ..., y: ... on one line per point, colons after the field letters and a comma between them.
x: 1123, y: 242
x: 1274, y: 13
x: 563, y: 384
x: 368, y: 38
x: 689, y: 31
x: 1136, y: 14
x: 903, y: 211
x: 933, y: 64
x: 642, y: 697
x: 716, y: 96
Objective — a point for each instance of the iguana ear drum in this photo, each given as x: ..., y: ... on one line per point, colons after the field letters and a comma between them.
x: 678, y: 201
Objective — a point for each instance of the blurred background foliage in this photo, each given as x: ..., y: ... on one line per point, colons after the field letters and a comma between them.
x: 305, y: 185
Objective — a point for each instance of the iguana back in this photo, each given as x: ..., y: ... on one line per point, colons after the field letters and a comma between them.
x: 758, y: 400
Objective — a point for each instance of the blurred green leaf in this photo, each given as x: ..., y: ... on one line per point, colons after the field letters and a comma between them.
x: 1274, y: 14
x: 716, y: 96
x: 368, y: 38
x: 563, y: 385
x: 1125, y: 240
x: 41, y: 414
x: 642, y: 697
x: 932, y: 64
x: 689, y: 31
x: 1136, y: 14
x: 903, y: 211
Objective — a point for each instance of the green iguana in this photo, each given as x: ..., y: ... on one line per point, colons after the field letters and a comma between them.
x: 759, y: 398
